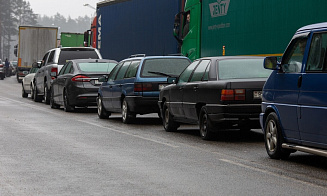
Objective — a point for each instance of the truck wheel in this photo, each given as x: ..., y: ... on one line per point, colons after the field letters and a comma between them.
x: 102, y: 113
x: 67, y: 106
x: 205, y: 126
x: 24, y: 94
x: 273, y: 138
x: 53, y: 105
x: 167, y: 120
x: 46, y: 94
x: 36, y: 97
x: 127, y: 116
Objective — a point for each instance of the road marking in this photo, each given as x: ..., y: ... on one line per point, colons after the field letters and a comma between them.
x: 130, y: 134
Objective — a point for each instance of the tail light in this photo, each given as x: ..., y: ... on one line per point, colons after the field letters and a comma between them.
x: 140, y: 87
x: 1, y: 65
x: 81, y: 78
x: 232, y: 94
x: 54, y: 71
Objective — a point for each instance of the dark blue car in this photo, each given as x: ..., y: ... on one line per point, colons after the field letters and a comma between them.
x: 294, y: 99
x: 133, y: 85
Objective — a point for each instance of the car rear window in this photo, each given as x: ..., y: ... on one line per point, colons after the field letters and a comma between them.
x: 169, y: 66
x: 66, y: 55
x: 242, y: 68
x: 97, y: 67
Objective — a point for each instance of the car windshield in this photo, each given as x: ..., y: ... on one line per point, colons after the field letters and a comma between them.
x: 165, y: 66
x: 104, y: 67
x: 66, y: 55
x: 242, y: 68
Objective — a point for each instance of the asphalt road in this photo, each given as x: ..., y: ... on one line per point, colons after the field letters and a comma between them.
x: 44, y: 151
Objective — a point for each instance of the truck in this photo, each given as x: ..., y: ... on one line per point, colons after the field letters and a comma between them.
x: 71, y: 39
x: 234, y: 27
x: 127, y: 27
x: 33, y: 43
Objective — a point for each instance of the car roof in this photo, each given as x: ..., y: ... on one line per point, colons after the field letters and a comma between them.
x: 312, y: 27
x: 154, y: 57
x: 232, y: 57
x: 93, y: 60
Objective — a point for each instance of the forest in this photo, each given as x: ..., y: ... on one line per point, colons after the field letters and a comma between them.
x: 15, y: 13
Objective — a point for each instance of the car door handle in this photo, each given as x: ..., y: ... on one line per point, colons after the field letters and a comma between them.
x: 299, y: 82
x: 195, y: 87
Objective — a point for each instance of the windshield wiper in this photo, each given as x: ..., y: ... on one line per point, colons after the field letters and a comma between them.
x: 160, y: 73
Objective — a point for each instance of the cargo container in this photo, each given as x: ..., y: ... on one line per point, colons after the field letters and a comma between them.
x: 34, y: 42
x: 238, y: 27
x: 71, y: 39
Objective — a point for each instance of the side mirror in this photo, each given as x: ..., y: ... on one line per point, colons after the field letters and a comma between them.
x: 172, y: 80
x: 103, y: 78
x: 36, y: 65
x: 270, y: 63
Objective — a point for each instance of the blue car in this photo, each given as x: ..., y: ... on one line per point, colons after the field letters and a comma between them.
x: 134, y: 84
x: 294, y: 98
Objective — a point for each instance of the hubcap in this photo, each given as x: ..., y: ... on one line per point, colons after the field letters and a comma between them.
x: 124, y: 110
x: 271, y: 135
x: 99, y: 106
x: 166, y: 116
x: 204, y: 125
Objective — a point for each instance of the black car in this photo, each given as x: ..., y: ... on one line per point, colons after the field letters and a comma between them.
x: 77, y: 83
x: 216, y: 93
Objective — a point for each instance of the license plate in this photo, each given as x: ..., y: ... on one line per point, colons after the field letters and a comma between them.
x: 257, y: 94
x: 25, y: 72
x: 97, y: 82
x: 161, y: 86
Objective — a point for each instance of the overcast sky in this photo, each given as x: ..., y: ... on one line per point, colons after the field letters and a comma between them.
x: 72, y: 8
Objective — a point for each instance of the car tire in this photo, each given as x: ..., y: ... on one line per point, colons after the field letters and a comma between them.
x: 206, y: 129
x: 127, y: 116
x: 167, y: 120
x: 24, y: 94
x: 36, y: 97
x: 46, y: 94
x: 67, y: 106
x: 273, y: 138
x: 32, y: 91
x: 102, y: 113
x: 52, y: 103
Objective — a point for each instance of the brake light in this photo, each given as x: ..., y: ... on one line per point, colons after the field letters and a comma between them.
x: 54, y: 71
x: 233, y: 94
x: 140, y: 87
x: 1, y: 65
x: 81, y: 78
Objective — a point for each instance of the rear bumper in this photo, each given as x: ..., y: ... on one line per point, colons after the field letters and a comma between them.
x: 83, y: 96
x: 143, y: 105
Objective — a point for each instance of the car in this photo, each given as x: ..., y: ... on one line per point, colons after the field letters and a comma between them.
x: 2, y: 70
x: 27, y: 83
x: 294, y: 103
x: 133, y: 86
x: 77, y: 83
x: 52, y: 62
x: 216, y: 93
x: 14, y: 67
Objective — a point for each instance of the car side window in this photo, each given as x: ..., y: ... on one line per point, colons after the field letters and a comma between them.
x: 114, y: 72
x: 317, y: 60
x: 132, y: 69
x: 123, y: 70
x: 292, y: 61
x: 62, y: 71
x: 44, y: 58
x: 69, y: 66
x: 199, y: 71
x: 51, y: 56
x: 185, y: 75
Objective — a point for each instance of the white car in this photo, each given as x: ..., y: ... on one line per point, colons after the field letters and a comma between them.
x: 27, y: 84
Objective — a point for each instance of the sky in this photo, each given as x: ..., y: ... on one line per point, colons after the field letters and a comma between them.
x: 72, y: 8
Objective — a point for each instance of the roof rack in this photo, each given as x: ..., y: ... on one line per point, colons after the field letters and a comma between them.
x: 137, y: 55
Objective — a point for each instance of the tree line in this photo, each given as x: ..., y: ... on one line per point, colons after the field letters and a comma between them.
x: 15, y: 13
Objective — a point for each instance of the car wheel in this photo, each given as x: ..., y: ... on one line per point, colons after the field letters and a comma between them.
x: 167, y: 119
x: 205, y: 126
x: 102, y: 113
x: 127, y: 116
x: 24, y: 94
x: 46, y: 94
x: 52, y: 103
x: 32, y: 91
x: 36, y: 97
x: 273, y: 138
x: 67, y: 106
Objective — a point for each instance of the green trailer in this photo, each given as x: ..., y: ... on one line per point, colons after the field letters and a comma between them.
x: 243, y: 27
x: 71, y: 39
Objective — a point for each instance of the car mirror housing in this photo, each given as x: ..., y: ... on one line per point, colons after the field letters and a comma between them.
x: 270, y: 63
x: 172, y: 80
x: 103, y: 78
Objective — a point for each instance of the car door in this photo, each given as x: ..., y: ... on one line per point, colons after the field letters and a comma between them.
x: 286, y: 89
x: 62, y: 80
x: 39, y: 76
x: 191, y: 90
x: 176, y: 93
x: 313, y: 91
x: 54, y: 87
x: 117, y: 86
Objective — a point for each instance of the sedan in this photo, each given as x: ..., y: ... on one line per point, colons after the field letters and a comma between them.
x: 216, y: 93
x: 27, y: 84
x: 77, y: 83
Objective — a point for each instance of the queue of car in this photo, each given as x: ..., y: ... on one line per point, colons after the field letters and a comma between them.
x: 287, y: 100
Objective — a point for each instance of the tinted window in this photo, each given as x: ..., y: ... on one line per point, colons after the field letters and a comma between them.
x: 50, y: 60
x: 199, y: 71
x: 170, y: 66
x: 114, y: 72
x: 97, y: 67
x: 317, y: 60
x: 68, y: 68
x: 122, y: 71
x: 63, y: 69
x: 292, y: 60
x: 44, y: 59
x: 242, y: 68
x: 131, y: 72
x: 34, y: 70
x: 76, y: 54
x: 187, y: 72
